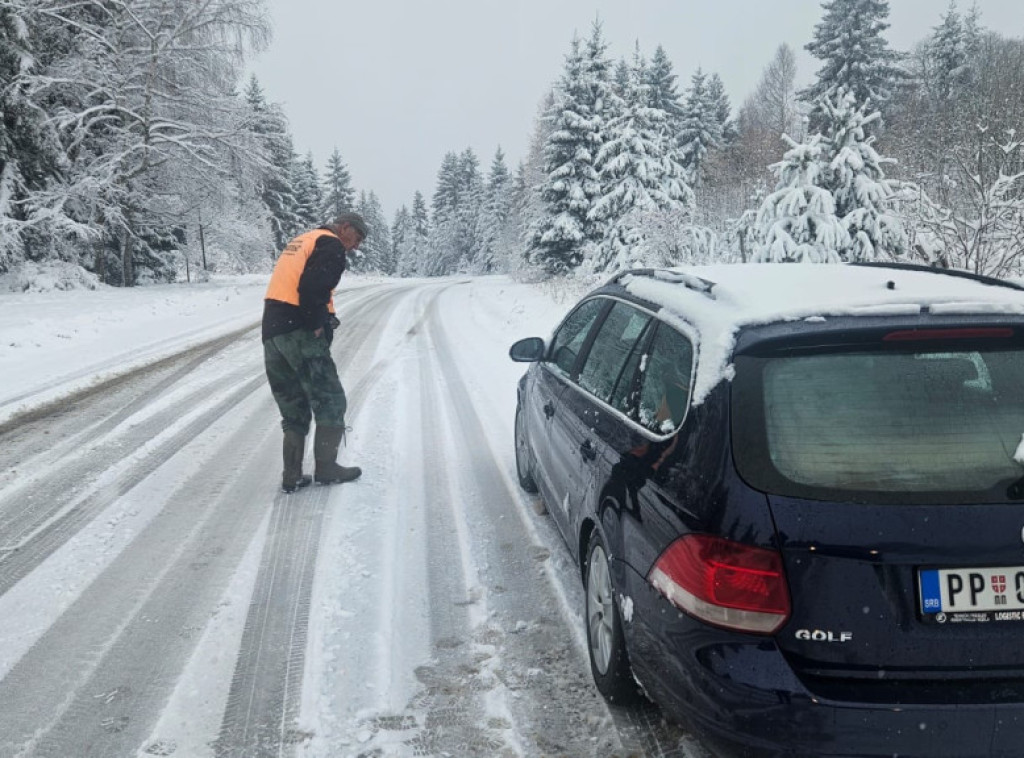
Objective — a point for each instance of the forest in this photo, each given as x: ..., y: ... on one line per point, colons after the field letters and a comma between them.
x: 133, y: 147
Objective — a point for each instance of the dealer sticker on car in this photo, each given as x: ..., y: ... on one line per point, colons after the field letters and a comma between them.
x: 975, y: 594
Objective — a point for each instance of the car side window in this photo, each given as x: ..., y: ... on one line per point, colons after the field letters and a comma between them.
x: 569, y: 339
x: 612, y: 347
x: 627, y: 391
x: 665, y: 386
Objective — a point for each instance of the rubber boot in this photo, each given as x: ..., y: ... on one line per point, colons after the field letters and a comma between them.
x: 325, y: 450
x: 294, y: 449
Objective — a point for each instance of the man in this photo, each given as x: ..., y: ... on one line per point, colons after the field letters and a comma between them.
x: 298, y: 327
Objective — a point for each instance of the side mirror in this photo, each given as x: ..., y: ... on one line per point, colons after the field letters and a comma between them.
x: 528, y: 350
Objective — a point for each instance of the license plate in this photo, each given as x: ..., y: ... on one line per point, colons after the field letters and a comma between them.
x: 974, y: 590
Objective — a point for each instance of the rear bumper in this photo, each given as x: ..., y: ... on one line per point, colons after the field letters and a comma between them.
x: 741, y: 695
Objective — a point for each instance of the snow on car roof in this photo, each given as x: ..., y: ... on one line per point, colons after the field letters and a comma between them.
x: 719, y: 300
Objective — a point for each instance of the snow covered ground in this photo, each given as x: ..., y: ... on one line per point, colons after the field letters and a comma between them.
x: 56, y: 342
x: 158, y: 596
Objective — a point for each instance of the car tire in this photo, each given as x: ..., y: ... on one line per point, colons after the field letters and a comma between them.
x: 606, y: 643
x: 523, y: 469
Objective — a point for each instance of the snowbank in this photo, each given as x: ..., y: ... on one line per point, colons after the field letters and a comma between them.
x: 46, y: 277
x: 57, y: 341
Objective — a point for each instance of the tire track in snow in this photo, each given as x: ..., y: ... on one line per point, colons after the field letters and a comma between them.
x: 643, y: 729
x: 44, y: 436
x: 458, y: 708
x: 46, y: 535
x: 495, y: 679
x: 373, y: 629
x: 263, y: 703
x: 463, y: 702
x: 132, y: 712
x: 56, y: 456
x: 75, y: 466
x: 38, y: 515
x: 95, y: 682
x: 555, y: 708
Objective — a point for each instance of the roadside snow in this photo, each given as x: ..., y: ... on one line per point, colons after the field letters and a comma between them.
x: 54, y: 343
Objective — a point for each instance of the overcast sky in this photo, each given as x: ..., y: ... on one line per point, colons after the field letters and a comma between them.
x: 395, y: 84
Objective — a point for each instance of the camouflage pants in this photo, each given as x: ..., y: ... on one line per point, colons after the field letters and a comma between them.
x: 304, y: 381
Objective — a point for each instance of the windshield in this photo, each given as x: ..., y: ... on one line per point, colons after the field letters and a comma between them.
x: 945, y: 425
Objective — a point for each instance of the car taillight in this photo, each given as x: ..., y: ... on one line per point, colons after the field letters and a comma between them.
x: 724, y: 583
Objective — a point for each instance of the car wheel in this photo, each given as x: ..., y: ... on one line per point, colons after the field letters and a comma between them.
x: 526, y: 480
x: 609, y: 661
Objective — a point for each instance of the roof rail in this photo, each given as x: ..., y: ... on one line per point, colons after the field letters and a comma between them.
x: 690, y: 281
x: 616, y: 278
x: 956, y: 272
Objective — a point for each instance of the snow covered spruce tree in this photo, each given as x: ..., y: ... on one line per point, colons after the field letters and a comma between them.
x: 571, y: 184
x: 457, y: 207
x: 269, y: 128
x: 30, y: 155
x: 528, y: 206
x: 644, y: 185
x: 661, y: 79
x: 853, y: 173
x: 443, y: 249
x: 798, y: 222
x: 854, y: 54
x: 400, y: 230
x: 720, y: 108
x: 309, y: 199
x: 836, y: 177
x: 583, y: 101
x: 700, y: 131
x: 412, y: 253
x: 469, y: 212
x: 337, y: 188
x: 946, y: 55
x: 495, y: 215
x: 718, y: 200
x: 374, y: 254
x: 522, y: 198
x: 442, y: 256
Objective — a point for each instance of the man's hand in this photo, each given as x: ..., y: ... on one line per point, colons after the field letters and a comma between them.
x: 319, y: 332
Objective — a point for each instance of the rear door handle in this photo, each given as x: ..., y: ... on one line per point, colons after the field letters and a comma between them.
x: 549, y: 409
x: 587, y: 451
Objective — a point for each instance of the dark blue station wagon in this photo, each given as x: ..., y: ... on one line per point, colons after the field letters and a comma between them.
x: 796, y: 497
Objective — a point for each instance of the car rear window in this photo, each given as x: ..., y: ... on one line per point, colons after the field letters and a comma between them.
x: 941, y: 424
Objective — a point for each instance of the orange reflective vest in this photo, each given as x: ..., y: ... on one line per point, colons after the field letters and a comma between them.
x: 284, y: 282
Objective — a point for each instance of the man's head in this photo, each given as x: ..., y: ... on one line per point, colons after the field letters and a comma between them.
x: 350, y: 228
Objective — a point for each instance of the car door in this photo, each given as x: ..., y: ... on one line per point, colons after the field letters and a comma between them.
x: 597, y: 427
x: 663, y: 391
x: 547, y: 415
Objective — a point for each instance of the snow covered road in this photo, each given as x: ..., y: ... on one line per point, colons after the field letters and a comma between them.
x: 159, y: 596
